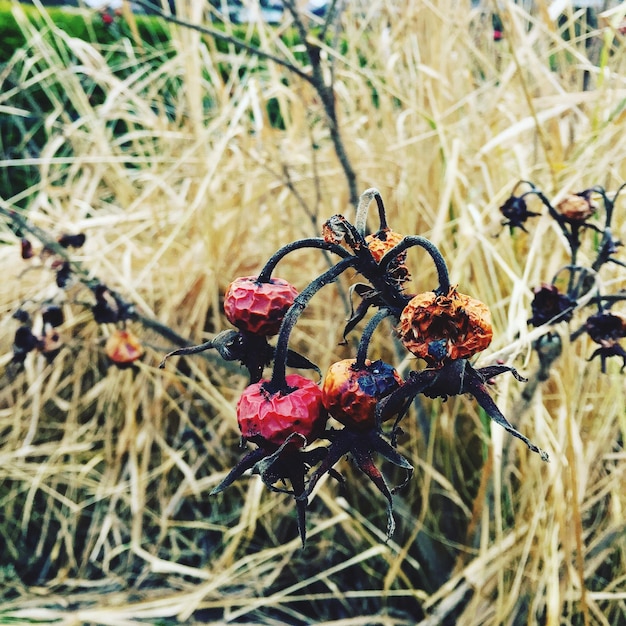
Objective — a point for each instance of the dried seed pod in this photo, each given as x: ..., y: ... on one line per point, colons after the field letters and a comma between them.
x: 50, y: 343
x: 606, y: 327
x: 576, y: 208
x: 26, y: 248
x: 384, y: 240
x: 439, y: 328
x: 67, y: 240
x: 550, y: 304
x: 516, y: 213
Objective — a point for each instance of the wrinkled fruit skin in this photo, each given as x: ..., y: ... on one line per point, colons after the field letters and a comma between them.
x: 122, y: 347
x: 258, y: 308
x: 380, y: 243
x: 384, y: 240
x: 268, y: 419
x: 576, y: 208
x: 439, y: 328
x: 350, y: 395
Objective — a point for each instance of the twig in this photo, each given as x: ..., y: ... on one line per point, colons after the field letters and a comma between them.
x: 326, y: 92
x: 217, y: 34
x: 20, y: 223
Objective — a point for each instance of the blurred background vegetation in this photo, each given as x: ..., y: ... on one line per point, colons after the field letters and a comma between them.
x: 187, y: 159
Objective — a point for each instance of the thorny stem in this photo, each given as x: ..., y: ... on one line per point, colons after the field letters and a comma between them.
x: 415, y: 240
x: 278, y: 382
x: 368, y: 331
x: 316, y: 78
x: 572, y: 236
x: 580, y: 282
x: 265, y: 274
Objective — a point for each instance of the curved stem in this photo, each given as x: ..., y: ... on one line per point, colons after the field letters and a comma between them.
x: 360, y: 223
x: 619, y: 190
x: 361, y: 212
x: 278, y: 382
x: 610, y: 203
x: 522, y: 182
x: 382, y: 214
x: 433, y: 251
x: 558, y: 218
x: 368, y: 331
x: 313, y: 242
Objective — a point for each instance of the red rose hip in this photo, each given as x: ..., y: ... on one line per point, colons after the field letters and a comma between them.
x: 257, y: 307
x: 270, y: 418
x: 351, y: 393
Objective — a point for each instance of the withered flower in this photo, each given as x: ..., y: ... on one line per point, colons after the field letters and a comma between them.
x: 604, y: 326
x: 23, y: 343
x: 516, y: 213
x: 110, y: 307
x: 64, y: 274
x: 67, y: 240
x: 52, y: 315
x: 440, y: 328
x: 576, y: 208
x: 550, y: 305
x: 606, y: 329
x: 338, y: 230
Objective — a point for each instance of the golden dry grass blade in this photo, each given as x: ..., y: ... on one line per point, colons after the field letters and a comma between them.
x: 189, y: 164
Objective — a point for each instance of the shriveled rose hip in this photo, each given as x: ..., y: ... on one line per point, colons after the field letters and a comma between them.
x: 351, y: 393
x: 258, y: 308
x: 382, y: 242
x: 270, y: 418
x: 440, y: 328
x: 576, y: 208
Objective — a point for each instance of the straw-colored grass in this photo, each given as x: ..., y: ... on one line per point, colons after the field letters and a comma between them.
x: 181, y: 184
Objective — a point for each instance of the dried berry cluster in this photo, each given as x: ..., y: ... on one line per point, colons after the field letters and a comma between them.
x: 285, y: 416
x: 583, y: 217
x: 40, y: 323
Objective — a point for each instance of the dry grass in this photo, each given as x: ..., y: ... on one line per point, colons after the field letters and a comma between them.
x: 104, y: 474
